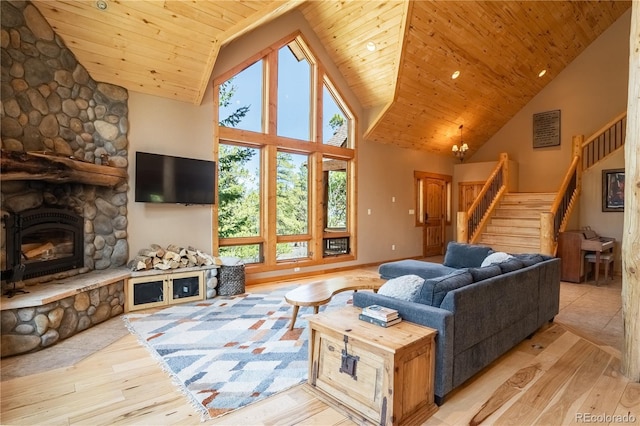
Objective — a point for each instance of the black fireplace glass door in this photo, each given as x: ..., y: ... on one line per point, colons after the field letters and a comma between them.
x: 40, y: 245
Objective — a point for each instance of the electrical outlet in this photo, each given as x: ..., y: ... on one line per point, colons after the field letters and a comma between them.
x: 412, y: 211
x: 393, y: 246
x: 369, y: 211
x: 296, y: 269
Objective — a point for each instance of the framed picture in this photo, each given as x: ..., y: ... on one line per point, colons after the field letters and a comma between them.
x: 613, y: 190
x: 546, y: 129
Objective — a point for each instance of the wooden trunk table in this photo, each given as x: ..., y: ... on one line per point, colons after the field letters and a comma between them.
x: 320, y: 292
x: 374, y: 374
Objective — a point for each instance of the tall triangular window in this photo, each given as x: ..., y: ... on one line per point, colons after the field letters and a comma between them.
x: 285, y: 147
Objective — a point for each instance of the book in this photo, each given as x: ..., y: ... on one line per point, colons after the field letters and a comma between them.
x: 379, y: 322
x: 380, y: 312
x: 381, y: 317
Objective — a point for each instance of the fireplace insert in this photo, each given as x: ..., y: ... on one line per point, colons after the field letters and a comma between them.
x: 42, y: 241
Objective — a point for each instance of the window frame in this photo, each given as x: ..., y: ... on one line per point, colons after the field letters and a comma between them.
x: 270, y: 143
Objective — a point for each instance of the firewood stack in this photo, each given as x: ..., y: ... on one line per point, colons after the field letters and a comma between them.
x: 172, y: 257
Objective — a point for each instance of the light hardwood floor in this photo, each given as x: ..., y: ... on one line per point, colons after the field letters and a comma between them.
x: 566, y: 374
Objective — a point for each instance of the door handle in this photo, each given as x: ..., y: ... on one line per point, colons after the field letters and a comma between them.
x: 426, y: 217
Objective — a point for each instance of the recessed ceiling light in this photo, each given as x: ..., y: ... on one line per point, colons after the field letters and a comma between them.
x: 541, y: 73
x: 455, y: 75
x: 102, y: 4
x: 371, y: 46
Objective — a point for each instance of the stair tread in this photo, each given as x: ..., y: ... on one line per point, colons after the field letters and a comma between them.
x: 513, y: 230
x: 514, y: 249
x: 500, y: 235
x: 515, y: 223
x: 514, y: 226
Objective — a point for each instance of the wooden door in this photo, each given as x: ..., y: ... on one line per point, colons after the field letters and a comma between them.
x: 434, y: 221
x: 467, y: 193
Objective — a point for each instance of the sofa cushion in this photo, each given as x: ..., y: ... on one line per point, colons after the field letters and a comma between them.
x: 511, y: 265
x: 434, y: 289
x: 485, y: 272
x: 405, y: 287
x: 496, y: 257
x: 461, y: 255
x: 529, y: 259
x: 420, y: 268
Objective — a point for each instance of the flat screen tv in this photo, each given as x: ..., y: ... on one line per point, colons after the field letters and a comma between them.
x: 168, y: 179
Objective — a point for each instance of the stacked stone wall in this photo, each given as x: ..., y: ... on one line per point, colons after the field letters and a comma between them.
x: 50, y: 103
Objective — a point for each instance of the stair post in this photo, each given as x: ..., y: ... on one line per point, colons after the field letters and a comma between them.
x: 461, y: 227
x: 504, y: 158
x: 577, y: 152
x: 547, y: 234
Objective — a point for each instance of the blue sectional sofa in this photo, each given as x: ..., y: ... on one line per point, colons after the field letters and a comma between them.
x: 479, y: 312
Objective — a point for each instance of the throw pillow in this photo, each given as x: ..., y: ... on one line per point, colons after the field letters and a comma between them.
x: 461, y: 255
x: 512, y: 264
x: 496, y: 257
x: 435, y: 289
x: 529, y: 259
x: 485, y: 273
x: 405, y: 287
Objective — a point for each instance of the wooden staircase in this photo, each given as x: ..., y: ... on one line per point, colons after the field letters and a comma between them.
x: 531, y: 222
x: 514, y: 226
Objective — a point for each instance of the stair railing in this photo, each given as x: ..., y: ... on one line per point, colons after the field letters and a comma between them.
x: 605, y: 141
x: 472, y: 222
x: 586, y: 153
x: 555, y: 221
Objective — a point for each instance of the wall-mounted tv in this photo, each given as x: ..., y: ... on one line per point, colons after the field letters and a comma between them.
x: 168, y: 179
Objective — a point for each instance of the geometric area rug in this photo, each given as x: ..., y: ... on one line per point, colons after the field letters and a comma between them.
x: 230, y: 351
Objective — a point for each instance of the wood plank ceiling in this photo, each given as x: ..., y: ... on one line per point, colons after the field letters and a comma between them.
x: 168, y: 49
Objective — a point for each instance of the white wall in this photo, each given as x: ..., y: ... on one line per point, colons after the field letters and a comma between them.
x: 384, y: 172
x: 164, y: 126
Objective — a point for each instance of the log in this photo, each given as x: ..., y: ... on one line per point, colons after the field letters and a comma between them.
x: 17, y: 165
x: 174, y: 248
x: 35, y: 252
x: 630, y: 365
x: 173, y: 257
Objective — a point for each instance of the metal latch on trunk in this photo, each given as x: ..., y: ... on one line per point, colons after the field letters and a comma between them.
x: 349, y: 362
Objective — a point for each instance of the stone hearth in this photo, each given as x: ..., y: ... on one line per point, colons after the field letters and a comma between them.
x: 57, y: 310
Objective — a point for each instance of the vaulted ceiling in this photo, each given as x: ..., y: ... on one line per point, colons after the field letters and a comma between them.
x: 169, y: 48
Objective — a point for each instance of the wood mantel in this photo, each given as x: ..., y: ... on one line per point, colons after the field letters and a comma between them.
x: 54, y: 168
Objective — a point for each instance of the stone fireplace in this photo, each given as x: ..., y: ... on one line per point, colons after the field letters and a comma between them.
x: 61, y: 133
x: 64, y: 148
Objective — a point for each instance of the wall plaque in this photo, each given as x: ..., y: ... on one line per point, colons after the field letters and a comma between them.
x: 546, y: 129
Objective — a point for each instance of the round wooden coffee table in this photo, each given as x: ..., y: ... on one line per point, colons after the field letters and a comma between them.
x: 318, y: 293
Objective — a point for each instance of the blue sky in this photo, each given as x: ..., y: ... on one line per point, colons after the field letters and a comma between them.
x: 293, y: 98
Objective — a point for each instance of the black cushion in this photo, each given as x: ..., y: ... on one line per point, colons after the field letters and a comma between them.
x: 484, y: 273
x: 461, y: 255
x: 510, y: 265
x: 434, y: 289
x: 529, y: 259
